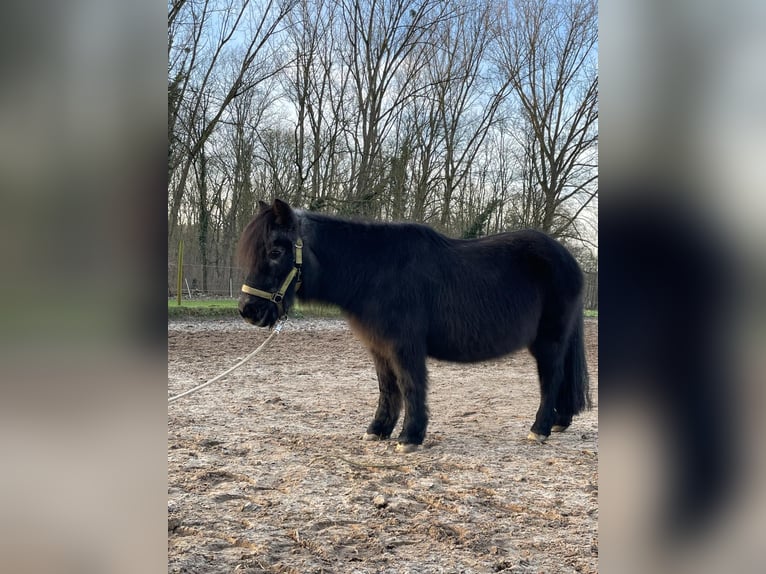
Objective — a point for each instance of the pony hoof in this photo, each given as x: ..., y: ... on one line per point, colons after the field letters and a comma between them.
x: 559, y: 428
x: 370, y: 436
x: 540, y: 438
x: 406, y: 447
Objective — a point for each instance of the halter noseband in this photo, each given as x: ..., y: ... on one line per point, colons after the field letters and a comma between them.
x: 278, y: 297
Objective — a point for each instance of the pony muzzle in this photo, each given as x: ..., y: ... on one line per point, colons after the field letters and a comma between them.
x: 258, y: 311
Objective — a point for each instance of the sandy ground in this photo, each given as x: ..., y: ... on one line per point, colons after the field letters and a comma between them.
x: 267, y: 471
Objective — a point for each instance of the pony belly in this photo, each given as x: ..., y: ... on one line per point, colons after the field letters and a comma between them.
x: 467, y: 351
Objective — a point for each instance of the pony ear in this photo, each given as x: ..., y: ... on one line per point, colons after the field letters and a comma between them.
x: 283, y: 213
x: 262, y: 206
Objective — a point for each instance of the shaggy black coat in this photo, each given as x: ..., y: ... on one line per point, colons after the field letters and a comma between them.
x: 410, y: 292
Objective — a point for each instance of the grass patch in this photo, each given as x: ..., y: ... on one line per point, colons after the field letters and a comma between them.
x: 591, y: 313
x: 203, y: 308
x: 301, y: 310
x: 223, y: 308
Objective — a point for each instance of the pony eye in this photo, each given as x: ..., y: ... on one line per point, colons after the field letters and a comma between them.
x: 275, y: 254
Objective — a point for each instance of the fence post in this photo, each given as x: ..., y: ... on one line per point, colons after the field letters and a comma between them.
x: 179, y: 285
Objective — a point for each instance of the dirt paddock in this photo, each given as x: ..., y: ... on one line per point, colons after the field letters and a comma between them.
x: 267, y: 471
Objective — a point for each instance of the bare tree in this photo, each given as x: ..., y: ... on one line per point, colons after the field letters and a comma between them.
x: 236, y: 160
x: 215, y: 61
x: 276, y: 173
x: 465, y: 100
x: 315, y: 84
x: 424, y: 135
x: 548, y: 50
x: 384, y: 56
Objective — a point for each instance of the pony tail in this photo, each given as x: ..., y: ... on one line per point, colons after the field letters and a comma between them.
x: 575, y: 392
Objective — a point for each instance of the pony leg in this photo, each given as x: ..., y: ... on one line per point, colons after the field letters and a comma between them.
x: 389, y: 401
x: 413, y: 382
x: 549, y: 358
x: 563, y: 413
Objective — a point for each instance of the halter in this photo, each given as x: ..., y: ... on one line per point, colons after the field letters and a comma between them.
x: 278, y: 297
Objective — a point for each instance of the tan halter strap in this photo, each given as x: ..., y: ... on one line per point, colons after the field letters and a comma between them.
x: 278, y: 297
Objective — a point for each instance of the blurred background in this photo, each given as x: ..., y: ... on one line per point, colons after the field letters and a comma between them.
x: 100, y: 113
x: 83, y: 158
x: 681, y: 467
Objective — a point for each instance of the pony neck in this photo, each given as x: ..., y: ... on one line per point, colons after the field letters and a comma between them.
x: 337, y: 260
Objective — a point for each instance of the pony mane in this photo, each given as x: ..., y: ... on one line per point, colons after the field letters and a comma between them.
x: 256, y: 232
x: 398, y: 227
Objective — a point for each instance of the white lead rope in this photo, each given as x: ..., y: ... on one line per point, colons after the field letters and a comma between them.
x: 274, y: 332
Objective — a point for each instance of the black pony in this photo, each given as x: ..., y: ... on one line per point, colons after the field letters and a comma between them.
x: 409, y: 292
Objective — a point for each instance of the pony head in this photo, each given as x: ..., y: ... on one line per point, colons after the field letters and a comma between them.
x: 270, y: 252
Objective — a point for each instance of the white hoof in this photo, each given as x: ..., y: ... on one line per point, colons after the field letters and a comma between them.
x: 537, y: 437
x: 405, y: 448
x: 559, y: 428
x: 370, y: 436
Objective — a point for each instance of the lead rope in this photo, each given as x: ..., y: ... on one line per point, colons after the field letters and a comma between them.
x: 274, y: 332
